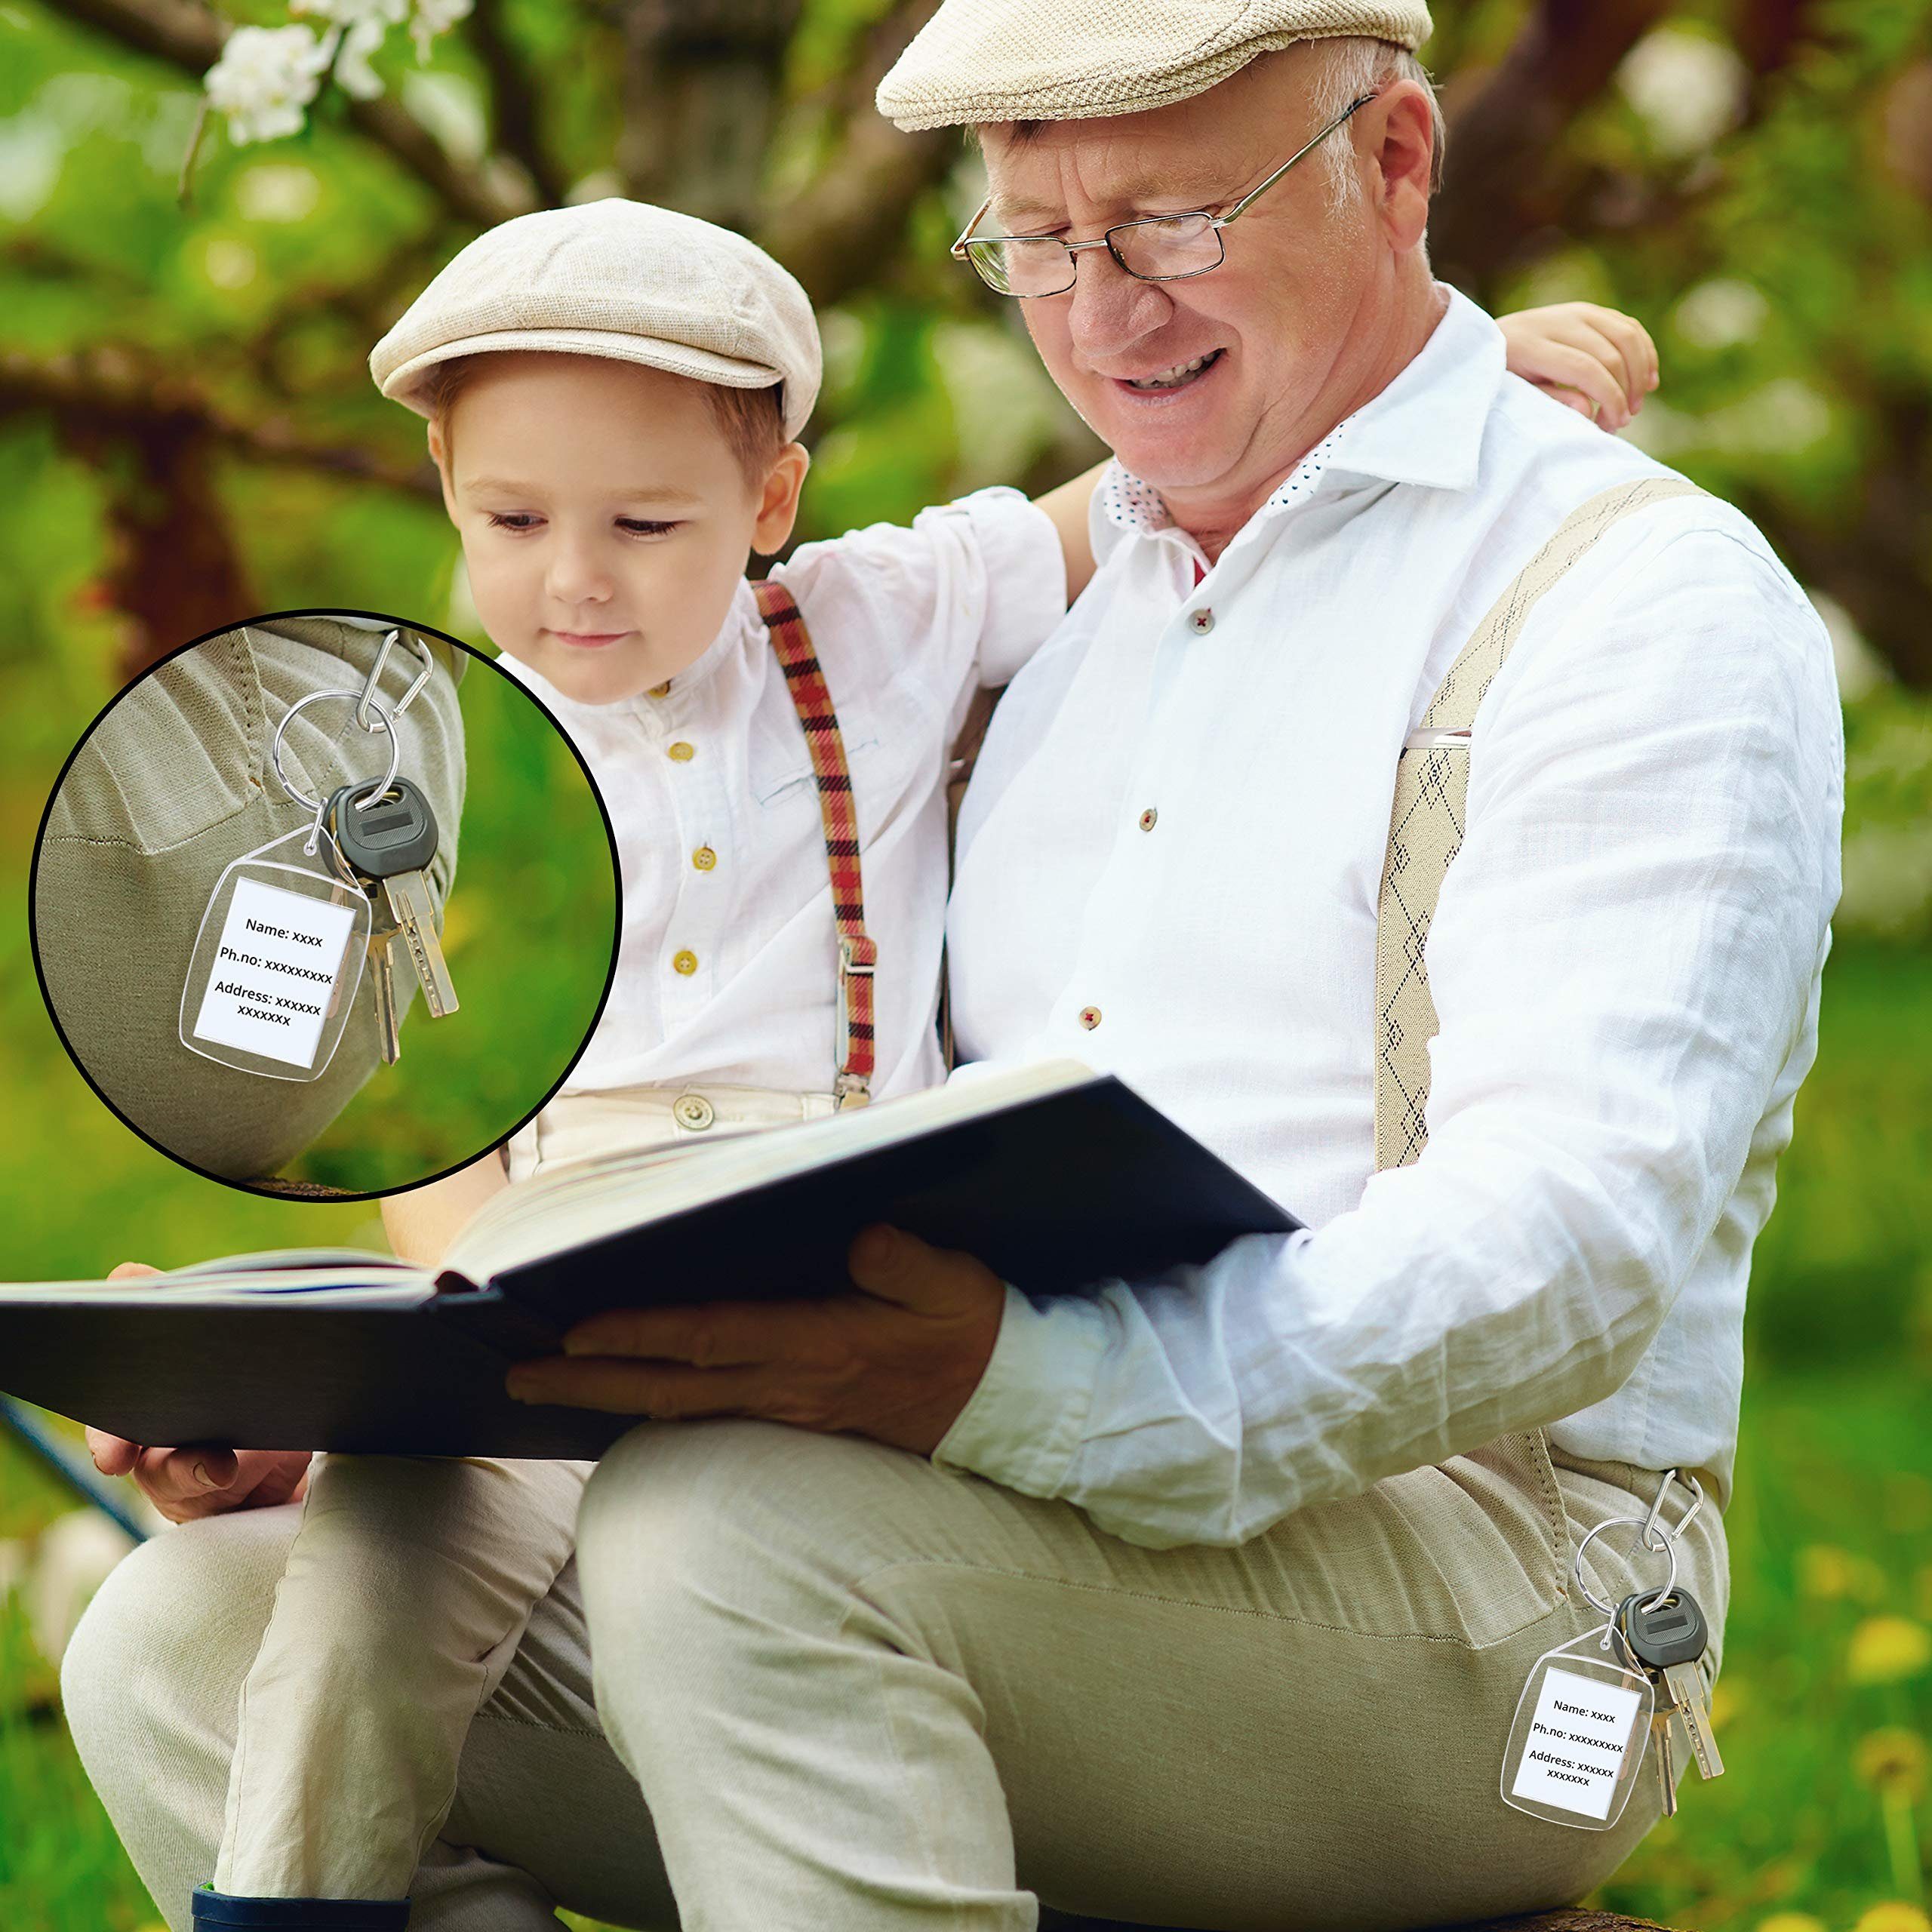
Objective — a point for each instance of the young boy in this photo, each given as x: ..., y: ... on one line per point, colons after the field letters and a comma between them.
x: 614, y: 394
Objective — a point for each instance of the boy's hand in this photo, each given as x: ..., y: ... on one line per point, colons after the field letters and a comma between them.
x: 186, y: 1484
x: 1594, y: 360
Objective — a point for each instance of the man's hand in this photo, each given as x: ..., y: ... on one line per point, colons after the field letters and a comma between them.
x: 186, y: 1484
x: 897, y: 1360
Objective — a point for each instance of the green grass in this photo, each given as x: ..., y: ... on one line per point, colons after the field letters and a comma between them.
x: 1830, y: 1531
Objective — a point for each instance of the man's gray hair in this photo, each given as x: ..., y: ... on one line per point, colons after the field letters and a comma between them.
x: 1354, y: 66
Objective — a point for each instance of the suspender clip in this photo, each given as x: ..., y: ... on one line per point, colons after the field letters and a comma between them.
x: 856, y: 953
x: 851, y: 1090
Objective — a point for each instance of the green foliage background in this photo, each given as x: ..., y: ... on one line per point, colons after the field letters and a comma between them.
x: 1781, y: 252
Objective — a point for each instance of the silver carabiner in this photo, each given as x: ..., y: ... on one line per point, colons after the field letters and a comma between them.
x: 366, y: 702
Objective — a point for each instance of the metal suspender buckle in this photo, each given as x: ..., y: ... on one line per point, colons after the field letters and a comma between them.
x: 851, y: 1090
x: 855, y: 955
x: 1436, y: 741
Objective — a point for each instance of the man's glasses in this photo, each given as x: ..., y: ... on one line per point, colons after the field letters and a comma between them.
x: 1161, y: 248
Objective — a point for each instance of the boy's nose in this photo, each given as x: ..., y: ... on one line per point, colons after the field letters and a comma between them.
x: 576, y: 576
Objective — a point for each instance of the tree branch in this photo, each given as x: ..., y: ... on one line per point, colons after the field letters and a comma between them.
x: 513, y: 100
x: 111, y: 393
x: 189, y: 38
x: 837, y: 233
x: 1498, y: 193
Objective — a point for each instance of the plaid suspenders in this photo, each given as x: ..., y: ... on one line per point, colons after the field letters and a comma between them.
x: 858, y: 954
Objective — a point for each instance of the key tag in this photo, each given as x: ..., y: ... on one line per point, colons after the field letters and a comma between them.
x: 278, y: 959
x: 1583, y: 1723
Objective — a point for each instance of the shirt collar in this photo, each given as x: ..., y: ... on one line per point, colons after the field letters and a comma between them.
x: 1425, y: 428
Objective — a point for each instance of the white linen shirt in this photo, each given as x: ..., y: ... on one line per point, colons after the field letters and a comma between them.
x: 1177, y: 827
x: 714, y: 811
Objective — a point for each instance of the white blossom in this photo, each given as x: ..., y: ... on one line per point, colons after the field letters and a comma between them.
x: 264, y: 79
x: 435, y: 16
x: 1688, y: 87
x: 381, y: 14
x: 360, y: 39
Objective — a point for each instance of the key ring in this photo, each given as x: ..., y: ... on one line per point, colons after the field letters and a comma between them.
x: 367, y: 702
x: 1590, y: 1596
x: 320, y: 806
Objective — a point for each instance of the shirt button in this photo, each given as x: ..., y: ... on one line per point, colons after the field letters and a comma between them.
x: 1148, y: 819
x: 1090, y: 1017
x: 685, y: 962
x: 662, y: 690
x: 1203, y: 622
x: 694, y: 1111
x: 681, y: 752
x: 704, y: 858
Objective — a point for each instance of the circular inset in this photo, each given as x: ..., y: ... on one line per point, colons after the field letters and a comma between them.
x: 246, y: 921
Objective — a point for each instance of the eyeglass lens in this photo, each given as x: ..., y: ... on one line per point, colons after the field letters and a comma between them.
x: 1163, y: 248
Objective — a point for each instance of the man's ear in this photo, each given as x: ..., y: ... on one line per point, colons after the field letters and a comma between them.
x: 1402, y: 144
x: 439, y: 455
x: 778, y: 501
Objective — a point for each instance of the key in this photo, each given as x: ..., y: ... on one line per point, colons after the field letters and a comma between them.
x: 390, y: 843
x: 1668, y: 1641
x: 1663, y: 1755
x: 382, y: 976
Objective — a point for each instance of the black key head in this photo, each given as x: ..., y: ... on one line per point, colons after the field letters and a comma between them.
x: 1674, y: 1632
x: 395, y: 833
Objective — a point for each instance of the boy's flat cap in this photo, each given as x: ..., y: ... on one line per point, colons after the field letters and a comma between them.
x: 979, y: 61
x: 616, y: 278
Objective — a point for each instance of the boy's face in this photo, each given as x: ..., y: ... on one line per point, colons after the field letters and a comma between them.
x: 605, y: 519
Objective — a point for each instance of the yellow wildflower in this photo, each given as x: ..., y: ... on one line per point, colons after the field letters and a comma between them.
x: 1893, y: 1760
x: 1827, y: 1572
x: 1887, y: 1650
x: 1790, y: 1921
x: 1894, y: 1915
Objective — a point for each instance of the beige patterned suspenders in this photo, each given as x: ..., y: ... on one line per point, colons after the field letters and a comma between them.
x: 1425, y: 825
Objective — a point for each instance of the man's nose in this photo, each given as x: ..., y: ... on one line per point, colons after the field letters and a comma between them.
x: 1110, y: 311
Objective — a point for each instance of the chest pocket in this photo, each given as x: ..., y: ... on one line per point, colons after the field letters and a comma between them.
x: 891, y: 742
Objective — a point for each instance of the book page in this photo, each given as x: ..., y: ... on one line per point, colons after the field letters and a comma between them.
x: 573, y: 1205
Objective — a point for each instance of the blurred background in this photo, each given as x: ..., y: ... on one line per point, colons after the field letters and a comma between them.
x: 189, y: 431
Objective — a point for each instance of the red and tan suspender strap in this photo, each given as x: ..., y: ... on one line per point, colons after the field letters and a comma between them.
x: 858, y: 953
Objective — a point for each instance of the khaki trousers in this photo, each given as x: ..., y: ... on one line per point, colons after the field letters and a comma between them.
x: 408, y: 1585
x: 861, y: 1694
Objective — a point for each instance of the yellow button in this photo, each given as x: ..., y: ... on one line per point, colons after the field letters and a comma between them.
x: 692, y: 1110
x: 704, y: 858
x: 1090, y: 1017
x: 685, y: 962
x: 681, y: 752
x: 662, y: 690
x: 1148, y: 819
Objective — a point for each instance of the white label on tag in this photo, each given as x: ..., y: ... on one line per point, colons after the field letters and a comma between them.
x: 1578, y: 1736
x: 275, y: 972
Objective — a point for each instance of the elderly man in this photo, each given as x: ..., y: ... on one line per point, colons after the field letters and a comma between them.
x: 1208, y: 1600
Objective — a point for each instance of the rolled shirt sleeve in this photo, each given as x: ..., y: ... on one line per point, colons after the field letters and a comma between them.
x: 1624, y: 962
x: 974, y: 587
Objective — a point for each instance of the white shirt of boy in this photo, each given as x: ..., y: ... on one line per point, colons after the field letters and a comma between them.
x: 727, y: 965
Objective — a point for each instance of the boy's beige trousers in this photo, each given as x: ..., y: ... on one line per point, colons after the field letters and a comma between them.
x: 863, y: 1695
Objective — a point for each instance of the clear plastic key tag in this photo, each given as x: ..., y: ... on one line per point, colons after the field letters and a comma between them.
x: 278, y: 957
x: 1583, y: 1721
x: 1577, y: 1742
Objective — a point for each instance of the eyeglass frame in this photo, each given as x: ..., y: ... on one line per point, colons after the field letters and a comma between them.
x: 959, y: 251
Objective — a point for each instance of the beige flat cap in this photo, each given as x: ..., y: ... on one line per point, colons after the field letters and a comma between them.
x: 617, y: 278
x: 979, y: 61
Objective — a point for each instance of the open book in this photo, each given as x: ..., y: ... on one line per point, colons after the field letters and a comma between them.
x: 1058, y: 1178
